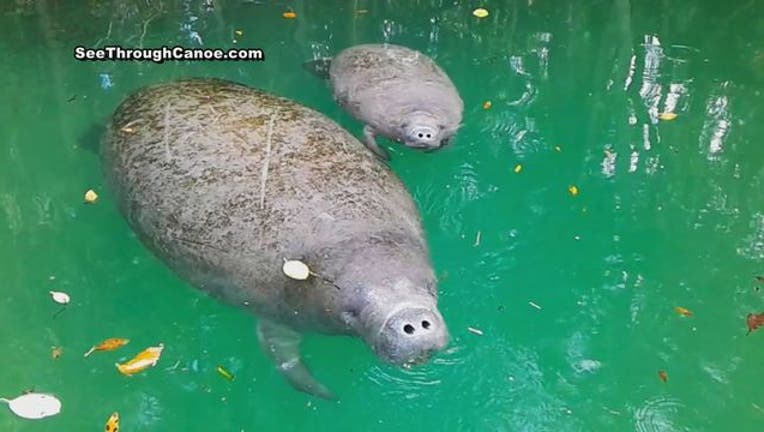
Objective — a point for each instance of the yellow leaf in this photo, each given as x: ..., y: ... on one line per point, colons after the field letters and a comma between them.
x: 667, y: 116
x: 682, y: 311
x: 144, y: 360
x: 112, y: 424
x: 487, y: 105
x: 224, y: 373
x: 518, y: 168
x: 289, y: 15
x: 108, y: 345
x: 480, y: 12
x: 573, y: 190
x: 91, y: 196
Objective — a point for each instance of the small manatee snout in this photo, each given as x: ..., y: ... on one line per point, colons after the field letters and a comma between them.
x: 423, y: 137
x: 410, y: 335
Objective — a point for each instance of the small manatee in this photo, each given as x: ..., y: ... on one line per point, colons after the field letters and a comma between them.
x: 398, y: 93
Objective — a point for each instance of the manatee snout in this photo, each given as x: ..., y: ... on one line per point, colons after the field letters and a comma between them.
x: 410, y: 335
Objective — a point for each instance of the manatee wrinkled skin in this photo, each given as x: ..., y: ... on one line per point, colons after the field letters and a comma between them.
x: 223, y: 183
x: 398, y: 93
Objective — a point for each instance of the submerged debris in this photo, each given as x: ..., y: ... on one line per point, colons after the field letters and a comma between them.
x: 475, y: 331
x: 682, y: 311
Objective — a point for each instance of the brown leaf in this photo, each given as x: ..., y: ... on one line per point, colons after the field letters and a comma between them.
x: 663, y: 376
x: 754, y: 321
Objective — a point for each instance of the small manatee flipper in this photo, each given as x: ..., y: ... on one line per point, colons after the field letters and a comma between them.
x: 319, y: 67
x: 371, y: 143
x: 282, y: 345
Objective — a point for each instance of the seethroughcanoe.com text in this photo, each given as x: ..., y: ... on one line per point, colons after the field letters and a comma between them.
x: 163, y: 54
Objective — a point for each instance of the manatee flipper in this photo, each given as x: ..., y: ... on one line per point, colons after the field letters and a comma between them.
x: 371, y: 143
x: 282, y: 345
x: 319, y: 67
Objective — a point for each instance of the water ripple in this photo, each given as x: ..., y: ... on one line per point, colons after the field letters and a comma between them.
x: 655, y: 415
x: 410, y: 383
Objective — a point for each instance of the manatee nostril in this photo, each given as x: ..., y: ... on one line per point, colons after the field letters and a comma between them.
x: 408, y: 328
x: 425, y: 324
x: 420, y: 135
x: 429, y: 136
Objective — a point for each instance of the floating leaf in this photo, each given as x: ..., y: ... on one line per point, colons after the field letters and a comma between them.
x: 754, y: 321
x: 91, y: 196
x: 475, y: 331
x: 573, y: 190
x: 667, y: 116
x: 224, y: 373
x: 487, y: 105
x: 112, y: 424
x: 238, y: 32
x: 663, y: 376
x: 518, y: 168
x: 557, y: 148
x: 60, y: 297
x: 289, y: 15
x: 34, y: 406
x: 682, y: 311
x: 480, y: 12
x: 295, y: 269
x: 55, y: 352
x: 144, y: 360
x: 108, y: 345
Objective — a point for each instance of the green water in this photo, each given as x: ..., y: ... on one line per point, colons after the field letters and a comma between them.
x: 675, y: 219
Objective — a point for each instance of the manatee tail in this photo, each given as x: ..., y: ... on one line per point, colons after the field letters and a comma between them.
x: 282, y: 345
x: 318, y: 67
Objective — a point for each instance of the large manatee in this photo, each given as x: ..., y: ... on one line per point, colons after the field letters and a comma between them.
x: 224, y: 183
x: 398, y: 93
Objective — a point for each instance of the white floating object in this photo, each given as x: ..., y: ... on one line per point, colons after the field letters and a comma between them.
x: 476, y: 331
x: 534, y: 305
x: 60, y: 297
x: 296, y: 269
x: 34, y: 406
